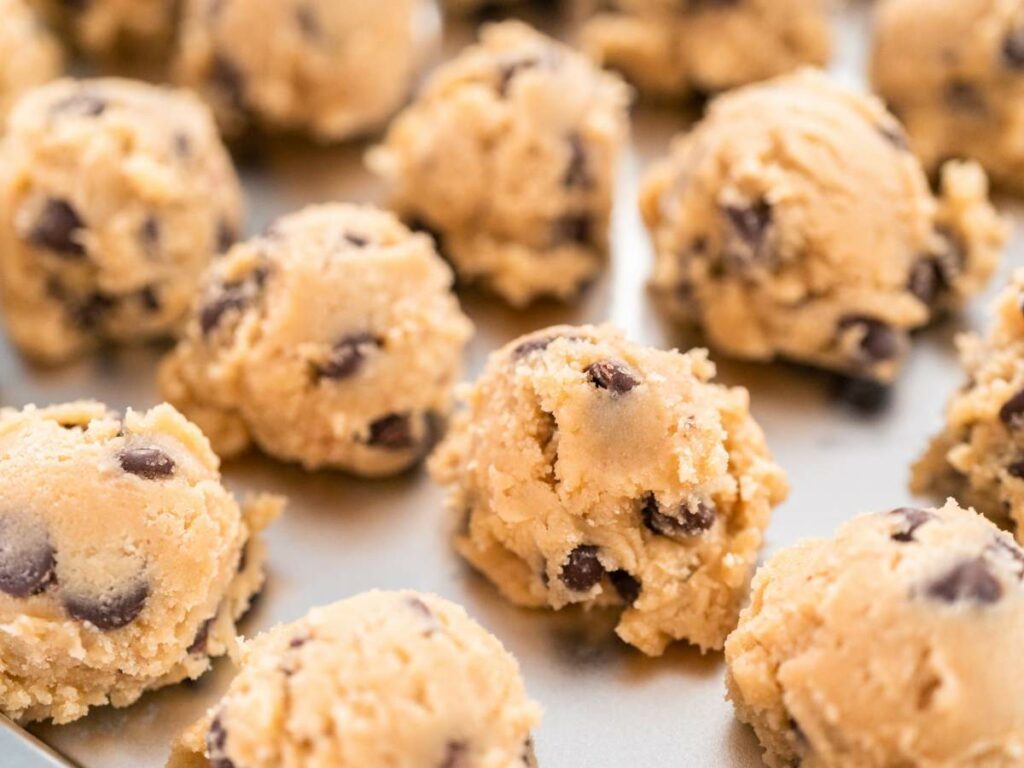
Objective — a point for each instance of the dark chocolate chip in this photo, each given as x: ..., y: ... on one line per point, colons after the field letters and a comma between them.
x: 896, y: 136
x: 226, y: 236
x: 964, y: 96
x: 89, y: 313
x: 538, y: 344
x: 912, y: 520
x: 229, y: 80
x: 425, y: 614
x: 198, y: 645
x: 149, y: 235
x: 150, y: 299
x: 230, y: 296
x: 927, y: 280
x: 1012, y: 411
x: 392, y: 433
x: 147, y: 463
x: 878, y: 340
x: 968, y: 581
x: 687, y: 520
x: 347, y: 357
x: 582, y: 569
x: 1013, y: 48
x: 1004, y: 548
x: 508, y: 70
x: 82, y: 104
x: 456, y: 755
x: 357, y: 240
x: 747, y: 236
x: 58, y: 229
x: 576, y: 174
x: 863, y: 395
x: 613, y: 376
x: 26, y: 561
x: 626, y: 585
x: 112, y: 610
x: 573, y: 228
x: 216, y: 745
x: 1016, y: 469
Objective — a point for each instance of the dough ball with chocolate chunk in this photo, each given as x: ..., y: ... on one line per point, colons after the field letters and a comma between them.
x: 509, y: 157
x: 332, y: 340
x: 114, y: 196
x: 897, y: 642
x: 325, y: 68
x: 116, y: 29
x: 380, y: 680
x: 590, y: 470
x: 29, y: 54
x: 793, y: 222
x: 124, y: 563
x: 673, y: 48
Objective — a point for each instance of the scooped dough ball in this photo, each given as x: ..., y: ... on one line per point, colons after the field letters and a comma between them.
x: 116, y: 28
x: 124, y: 563
x: 29, y: 55
x: 793, y: 222
x: 509, y: 157
x: 896, y: 643
x: 327, y: 68
x: 381, y: 680
x: 594, y: 471
x: 333, y: 340
x: 953, y: 70
x: 114, y: 196
x: 670, y: 48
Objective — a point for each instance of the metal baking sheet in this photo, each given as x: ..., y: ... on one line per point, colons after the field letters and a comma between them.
x: 605, y: 705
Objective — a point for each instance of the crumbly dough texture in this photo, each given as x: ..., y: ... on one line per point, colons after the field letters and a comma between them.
x: 29, y: 54
x: 333, y: 340
x: 793, y: 222
x: 896, y: 643
x: 124, y: 563
x: 671, y: 48
x: 959, y: 94
x: 380, y: 680
x: 322, y: 67
x: 589, y: 470
x: 114, y: 29
x: 114, y: 196
x: 508, y: 156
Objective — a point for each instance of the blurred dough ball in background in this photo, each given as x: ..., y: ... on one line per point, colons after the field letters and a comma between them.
x: 109, y: 29
x: 29, y: 55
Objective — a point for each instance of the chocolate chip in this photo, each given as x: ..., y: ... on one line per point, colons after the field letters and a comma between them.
x: 1012, y: 411
x: 298, y: 642
x: 508, y: 70
x: 1013, y: 48
x: 150, y: 299
x: 182, y: 145
x: 576, y: 174
x: 1016, y: 469
x: 688, y: 520
x: 626, y: 585
x: 26, y: 561
x: 392, y: 433
x: 878, y: 340
x: 58, y: 229
x: 912, y: 520
x: 456, y: 755
x: 226, y: 236
x: 89, y: 313
x: 147, y: 463
x: 347, y: 357
x: 964, y: 96
x: 747, y: 235
x: 198, y: 645
x: 573, y: 228
x: 308, y: 21
x: 112, y: 610
x: 229, y: 80
x: 613, y: 376
x: 149, y: 235
x: 896, y: 136
x: 357, y: 240
x: 927, y: 280
x: 82, y: 104
x: 425, y: 614
x: 863, y: 395
x: 968, y: 581
x: 582, y: 570
x: 216, y: 745
x: 235, y: 295
x: 1004, y: 548
x: 539, y: 344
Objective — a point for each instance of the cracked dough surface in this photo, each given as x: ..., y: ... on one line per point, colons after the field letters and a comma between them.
x: 29, y: 54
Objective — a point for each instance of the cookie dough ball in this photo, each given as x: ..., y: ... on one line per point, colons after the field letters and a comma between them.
x: 594, y: 471
x: 381, y: 680
x: 895, y: 643
x: 116, y: 28
x: 509, y: 157
x: 793, y: 222
x: 327, y: 68
x: 114, y: 196
x: 953, y: 70
x: 124, y: 563
x: 670, y: 48
x: 333, y: 340
x: 29, y: 55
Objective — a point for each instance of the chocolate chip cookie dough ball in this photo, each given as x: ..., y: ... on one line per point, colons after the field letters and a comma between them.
x: 794, y: 223
x: 29, y: 55
x: 895, y: 643
x: 327, y: 68
x: 509, y: 157
x: 111, y: 29
x: 333, y: 341
x: 670, y: 48
x: 114, y: 196
x: 594, y: 471
x: 953, y: 70
x: 380, y: 680
x: 124, y: 563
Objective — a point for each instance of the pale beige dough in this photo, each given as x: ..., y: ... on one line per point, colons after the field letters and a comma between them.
x: 124, y: 563
x: 585, y: 469
x: 895, y: 643
x: 793, y: 222
x: 114, y: 196
x: 29, y: 54
x: 953, y: 70
x: 509, y: 157
x: 671, y: 48
x: 380, y: 680
x: 113, y: 29
x: 333, y: 340
x: 322, y: 67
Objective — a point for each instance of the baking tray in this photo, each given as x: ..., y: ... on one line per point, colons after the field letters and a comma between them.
x: 605, y: 704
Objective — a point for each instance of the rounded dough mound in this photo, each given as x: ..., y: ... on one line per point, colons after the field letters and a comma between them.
x: 327, y: 68
x: 381, y: 680
x: 115, y: 28
x: 591, y: 470
x: 509, y: 157
x: 953, y: 70
x: 793, y: 222
x: 124, y: 563
x: 29, y: 55
x: 670, y: 48
x: 114, y: 197
x: 895, y: 643
x: 333, y: 340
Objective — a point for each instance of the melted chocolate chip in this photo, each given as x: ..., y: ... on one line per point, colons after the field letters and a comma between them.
x: 613, y: 376
x: 576, y: 174
x: 688, y: 520
x: 198, y: 645
x: 392, y: 433
x: 912, y: 520
x: 1012, y: 411
x: 582, y: 569
x: 109, y: 611
x: 626, y: 585
x: 878, y: 340
x: 347, y: 357
x: 216, y: 745
x: 1013, y: 48
x: 58, y: 229
x: 26, y: 561
x: 456, y: 755
x: 147, y: 463
x: 968, y: 581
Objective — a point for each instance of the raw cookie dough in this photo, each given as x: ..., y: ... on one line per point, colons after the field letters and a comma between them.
x: 591, y: 470
x: 333, y: 340
x: 896, y: 643
x: 381, y: 680
x: 793, y: 222
x: 509, y: 157
x: 978, y: 457
x: 670, y: 48
x: 124, y: 563
x: 953, y: 70
x: 29, y: 55
x: 327, y: 68
x: 116, y: 28
x: 114, y: 196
